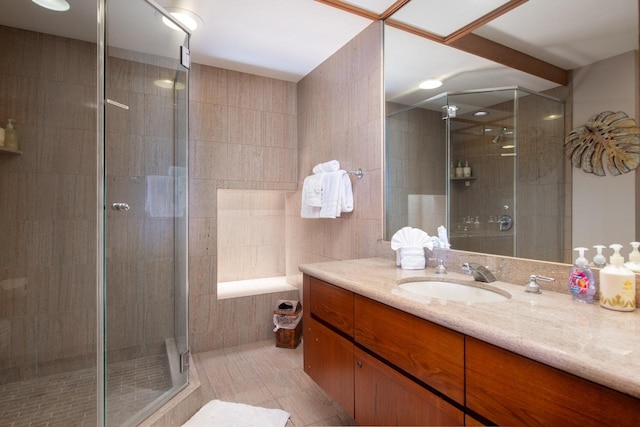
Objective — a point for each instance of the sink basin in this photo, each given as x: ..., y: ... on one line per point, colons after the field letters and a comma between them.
x: 454, y: 291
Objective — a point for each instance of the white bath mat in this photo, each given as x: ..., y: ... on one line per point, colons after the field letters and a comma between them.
x: 227, y: 414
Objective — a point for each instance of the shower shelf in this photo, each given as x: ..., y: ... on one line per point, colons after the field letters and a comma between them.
x: 467, y: 179
x: 5, y: 150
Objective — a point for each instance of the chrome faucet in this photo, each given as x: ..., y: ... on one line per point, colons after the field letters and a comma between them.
x: 533, y: 287
x: 480, y: 272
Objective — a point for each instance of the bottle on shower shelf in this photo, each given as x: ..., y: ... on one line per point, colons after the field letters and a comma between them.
x: 10, y: 136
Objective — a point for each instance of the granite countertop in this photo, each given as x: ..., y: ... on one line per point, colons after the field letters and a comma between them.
x: 586, y: 340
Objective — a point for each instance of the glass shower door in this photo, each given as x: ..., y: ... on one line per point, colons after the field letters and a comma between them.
x: 145, y: 211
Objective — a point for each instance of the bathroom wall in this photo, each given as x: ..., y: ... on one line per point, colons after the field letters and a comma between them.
x: 242, y: 136
x: 340, y: 116
x: 604, y: 207
x: 47, y: 205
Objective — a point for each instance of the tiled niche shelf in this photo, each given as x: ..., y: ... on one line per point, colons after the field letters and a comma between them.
x: 5, y: 150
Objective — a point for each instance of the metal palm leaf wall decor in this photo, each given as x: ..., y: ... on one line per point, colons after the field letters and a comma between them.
x: 612, y: 134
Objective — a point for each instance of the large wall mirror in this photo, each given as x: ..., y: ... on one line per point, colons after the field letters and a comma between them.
x: 515, y: 77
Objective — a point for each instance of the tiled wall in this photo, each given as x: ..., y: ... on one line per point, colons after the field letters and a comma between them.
x: 47, y: 205
x: 242, y: 136
x: 250, y: 234
x: 416, y: 161
x: 340, y: 113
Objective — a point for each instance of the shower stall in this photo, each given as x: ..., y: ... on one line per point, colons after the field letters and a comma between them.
x: 93, y: 213
x: 489, y: 164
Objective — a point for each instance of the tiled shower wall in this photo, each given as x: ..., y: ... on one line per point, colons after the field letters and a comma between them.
x: 47, y: 205
x: 242, y: 136
x: 417, y: 157
x: 340, y: 113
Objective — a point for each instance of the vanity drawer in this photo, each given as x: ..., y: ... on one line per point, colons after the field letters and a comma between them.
x: 331, y: 304
x: 510, y: 389
x: 429, y: 352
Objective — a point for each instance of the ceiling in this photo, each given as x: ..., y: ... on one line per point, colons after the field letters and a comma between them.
x: 287, y: 39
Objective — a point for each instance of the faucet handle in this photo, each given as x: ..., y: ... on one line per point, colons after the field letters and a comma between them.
x: 533, y: 287
x: 440, y: 268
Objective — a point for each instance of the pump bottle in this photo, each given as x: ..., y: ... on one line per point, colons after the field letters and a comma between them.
x: 617, y: 284
x: 634, y: 258
x: 582, y: 283
x: 599, y: 260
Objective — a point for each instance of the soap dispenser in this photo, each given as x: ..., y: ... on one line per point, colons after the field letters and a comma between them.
x: 582, y: 283
x: 10, y: 136
x: 599, y: 260
x: 617, y: 284
x: 634, y: 258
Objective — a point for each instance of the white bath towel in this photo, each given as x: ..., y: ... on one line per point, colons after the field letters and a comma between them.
x: 337, y: 194
x: 311, y: 196
x: 165, y: 196
x: 330, y: 166
x: 312, y: 190
x: 227, y: 414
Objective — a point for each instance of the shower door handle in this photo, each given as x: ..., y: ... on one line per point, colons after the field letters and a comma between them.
x: 120, y: 207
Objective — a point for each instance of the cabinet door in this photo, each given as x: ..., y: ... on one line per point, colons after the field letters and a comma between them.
x: 329, y: 362
x: 431, y: 353
x: 509, y: 389
x: 383, y: 396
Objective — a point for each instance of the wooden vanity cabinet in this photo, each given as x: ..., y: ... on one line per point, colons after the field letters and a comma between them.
x: 510, y: 389
x: 368, y: 387
x: 328, y: 346
x: 388, y: 367
x: 429, y: 352
x: 385, y: 397
x: 328, y: 360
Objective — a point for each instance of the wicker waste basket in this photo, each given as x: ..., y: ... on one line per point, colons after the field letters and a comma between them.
x: 287, y: 318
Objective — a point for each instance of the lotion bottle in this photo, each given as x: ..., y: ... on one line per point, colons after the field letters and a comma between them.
x: 466, y: 170
x: 582, y: 283
x: 634, y: 258
x: 617, y: 284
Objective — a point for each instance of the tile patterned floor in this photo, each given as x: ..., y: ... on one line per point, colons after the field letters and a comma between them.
x: 262, y: 374
x: 69, y: 399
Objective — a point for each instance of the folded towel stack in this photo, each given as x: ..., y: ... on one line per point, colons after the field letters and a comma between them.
x: 409, y: 244
x: 327, y: 193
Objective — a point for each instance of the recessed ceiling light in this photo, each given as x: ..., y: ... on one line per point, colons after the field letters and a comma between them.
x: 480, y: 113
x: 57, y: 5
x: 184, y: 16
x: 430, y: 84
x: 507, y: 147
